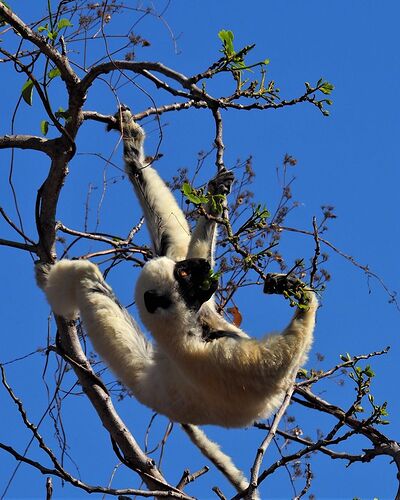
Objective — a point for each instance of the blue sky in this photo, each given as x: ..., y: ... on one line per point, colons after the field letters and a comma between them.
x: 349, y: 160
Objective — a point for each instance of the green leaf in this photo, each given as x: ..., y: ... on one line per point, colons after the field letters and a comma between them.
x: 226, y: 36
x: 186, y: 188
x: 44, y: 127
x: 61, y: 113
x: 188, y: 191
x: 326, y: 88
x: 43, y: 28
x: 369, y: 372
x: 63, y: 23
x: 52, y: 35
x: 266, y: 61
x: 53, y: 73
x: 303, y: 372
x: 27, y: 92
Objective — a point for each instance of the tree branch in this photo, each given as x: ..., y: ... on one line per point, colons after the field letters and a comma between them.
x: 28, y: 142
x: 62, y: 63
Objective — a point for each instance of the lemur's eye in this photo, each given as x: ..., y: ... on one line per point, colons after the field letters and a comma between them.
x: 154, y: 300
x: 183, y: 274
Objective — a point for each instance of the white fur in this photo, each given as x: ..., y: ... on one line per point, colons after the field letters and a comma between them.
x: 227, y: 381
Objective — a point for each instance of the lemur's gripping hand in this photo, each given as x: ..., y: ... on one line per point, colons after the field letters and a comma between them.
x: 221, y: 183
x: 218, y: 188
x: 290, y: 287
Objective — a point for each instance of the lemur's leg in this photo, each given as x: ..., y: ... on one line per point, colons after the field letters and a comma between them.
x: 202, y: 242
x: 165, y: 220
x: 78, y: 286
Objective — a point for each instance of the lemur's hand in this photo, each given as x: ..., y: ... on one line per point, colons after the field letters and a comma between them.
x: 124, y: 123
x: 222, y: 182
x: 290, y: 287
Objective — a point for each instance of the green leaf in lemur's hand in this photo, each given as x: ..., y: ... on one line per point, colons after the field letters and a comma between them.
x: 44, y: 127
x: 27, y: 92
x: 192, y: 194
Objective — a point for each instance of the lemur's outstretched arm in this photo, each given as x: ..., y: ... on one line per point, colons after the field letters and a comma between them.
x: 166, y: 222
x: 224, y: 363
x: 202, y: 242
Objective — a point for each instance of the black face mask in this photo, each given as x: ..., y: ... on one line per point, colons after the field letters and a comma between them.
x: 154, y: 299
x: 195, y: 281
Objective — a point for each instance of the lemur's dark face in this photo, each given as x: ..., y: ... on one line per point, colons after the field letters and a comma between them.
x: 196, y: 285
x: 195, y: 281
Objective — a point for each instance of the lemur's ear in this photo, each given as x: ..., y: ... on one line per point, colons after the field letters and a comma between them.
x: 115, y: 122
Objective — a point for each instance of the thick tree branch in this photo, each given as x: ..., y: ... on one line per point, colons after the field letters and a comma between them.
x: 28, y: 142
x: 134, y: 457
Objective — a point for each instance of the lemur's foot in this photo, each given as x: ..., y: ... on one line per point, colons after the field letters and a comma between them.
x: 222, y: 182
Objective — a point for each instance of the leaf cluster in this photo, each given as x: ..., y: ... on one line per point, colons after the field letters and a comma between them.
x: 200, y: 197
x: 292, y: 289
x: 52, y: 33
x: 362, y: 376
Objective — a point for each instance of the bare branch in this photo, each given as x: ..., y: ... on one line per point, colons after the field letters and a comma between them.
x: 307, y: 486
x: 317, y: 252
x: 350, y: 258
x: 111, y: 120
x: 346, y: 364
x: 50, y: 51
x: 14, y: 226
x: 132, y: 454
x: 218, y: 141
x: 16, y: 244
x: 254, y: 480
x: 59, y: 470
x: 187, y: 477
x: 89, y: 488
